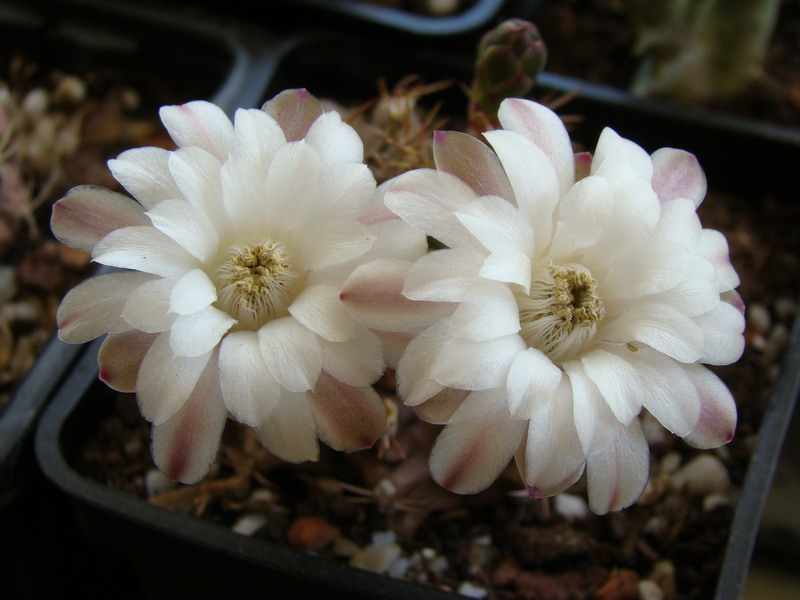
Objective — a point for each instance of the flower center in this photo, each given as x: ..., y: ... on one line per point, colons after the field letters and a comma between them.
x: 256, y: 283
x: 561, y: 312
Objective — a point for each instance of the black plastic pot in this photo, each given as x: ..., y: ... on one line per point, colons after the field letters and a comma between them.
x: 178, y: 555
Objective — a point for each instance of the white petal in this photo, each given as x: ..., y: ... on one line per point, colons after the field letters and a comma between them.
x: 291, y: 352
x: 617, y: 381
x: 473, y: 162
x: 414, y: 381
x: 120, y: 357
x: 427, y: 199
x: 248, y: 389
x: 717, y: 421
x: 348, y: 418
x: 661, y: 327
x: 200, y: 332
x: 469, y: 365
x: 185, y: 445
x: 256, y: 137
x: 373, y: 295
x: 511, y: 267
x: 145, y: 173
x: 713, y: 246
x: 349, y: 190
x: 667, y: 391
x: 394, y: 237
x: 188, y: 226
x: 143, y: 249
x: 488, y: 310
x: 296, y: 189
x: 655, y: 267
x: 290, y: 432
x: 318, y: 308
x: 553, y: 456
x: 192, y: 292
x: 470, y: 453
x: 677, y: 174
x: 596, y: 425
x: 617, y: 475
x: 443, y: 275
x: 533, y: 177
x: 88, y: 213
x: 545, y: 129
x: 147, y: 307
x: 200, y: 124
x: 357, y: 362
x: 498, y: 225
x: 94, y: 307
x: 165, y: 380
x: 197, y: 174
x: 336, y: 142
x: 617, y: 157
x: 722, y: 327
x: 295, y: 111
x: 440, y: 408
x: 333, y: 244
x: 531, y: 383
x: 581, y: 215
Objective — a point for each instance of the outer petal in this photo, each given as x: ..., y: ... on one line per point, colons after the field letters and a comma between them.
x: 531, y: 383
x: 440, y: 408
x: 200, y: 332
x: 147, y: 307
x: 248, y: 389
x: 144, y: 172
x: 717, y: 420
x: 95, y: 306
x: 722, y: 329
x: 295, y: 111
x: 289, y: 432
x: 373, y: 295
x: 473, y: 162
x: 200, y: 124
x: 143, y: 249
x: 617, y: 475
x: 348, y: 418
x: 185, y: 445
x: 88, y: 213
x: 120, y: 356
x: 165, y: 381
x: 292, y: 353
x: 677, y: 174
x: 713, y: 246
x: 471, y: 452
x: 544, y: 128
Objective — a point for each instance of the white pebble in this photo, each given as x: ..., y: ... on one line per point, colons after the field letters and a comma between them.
x: 570, y: 506
x: 155, y: 482
x: 35, y: 102
x: 649, y: 590
x: 715, y: 501
x: 377, y: 559
x: 249, y: 523
x: 785, y: 308
x: 399, y: 568
x: 472, y: 591
x: 383, y: 538
x: 703, y: 475
x: 758, y: 318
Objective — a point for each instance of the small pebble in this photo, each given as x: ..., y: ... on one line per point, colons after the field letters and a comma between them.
x: 345, y: 547
x: 702, y: 475
x: 312, y: 533
x: 570, y: 506
x: 785, y: 308
x: 35, y: 102
x: 472, y: 591
x: 155, y: 482
x: 649, y: 590
x: 663, y: 575
x: 758, y: 318
x: 377, y: 558
x: 777, y: 340
x: 249, y: 523
x: 714, y: 501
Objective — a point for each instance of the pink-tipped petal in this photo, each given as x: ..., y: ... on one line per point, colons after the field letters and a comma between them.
x: 291, y: 352
x: 583, y: 165
x: 295, y: 111
x: 373, y: 295
x: 88, y: 213
x: 439, y: 408
x: 717, y: 421
x: 95, y: 306
x: 144, y: 172
x: 677, y: 174
x: 348, y: 418
x: 184, y: 447
x: 471, y: 452
x: 200, y: 124
x: 144, y: 249
x: 165, y: 381
x: 473, y: 162
x: 544, y: 128
x: 713, y: 246
x: 120, y: 356
x: 617, y: 475
x: 289, y: 431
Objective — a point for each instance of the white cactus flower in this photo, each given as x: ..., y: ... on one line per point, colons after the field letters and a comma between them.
x: 574, y: 291
x: 234, y: 252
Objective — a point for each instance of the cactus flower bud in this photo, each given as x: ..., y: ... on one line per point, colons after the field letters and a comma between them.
x: 509, y: 59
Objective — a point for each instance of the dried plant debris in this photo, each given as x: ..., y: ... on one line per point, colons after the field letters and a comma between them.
x: 56, y: 130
